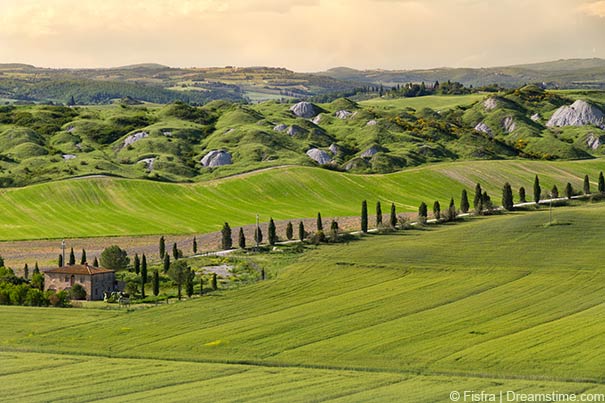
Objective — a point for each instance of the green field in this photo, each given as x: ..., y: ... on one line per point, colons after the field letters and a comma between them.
x: 404, y: 317
x: 436, y: 102
x: 105, y: 207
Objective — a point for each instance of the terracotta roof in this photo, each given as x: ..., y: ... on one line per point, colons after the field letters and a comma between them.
x: 79, y: 269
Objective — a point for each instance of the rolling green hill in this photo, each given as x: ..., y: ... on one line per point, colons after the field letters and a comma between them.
x: 440, y: 309
x: 106, y: 206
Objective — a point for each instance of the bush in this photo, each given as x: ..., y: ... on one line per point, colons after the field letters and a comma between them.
x: 58, y: 299
x: 77, y: 292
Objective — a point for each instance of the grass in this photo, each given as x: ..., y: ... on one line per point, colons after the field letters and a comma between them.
x: 95, y: 207
x: 417, y: 313
x: 436, y: 102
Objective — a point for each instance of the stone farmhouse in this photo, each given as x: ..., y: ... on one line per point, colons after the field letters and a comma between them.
x: 95, y: 280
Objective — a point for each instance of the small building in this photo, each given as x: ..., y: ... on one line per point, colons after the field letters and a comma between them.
x: 95, y: 280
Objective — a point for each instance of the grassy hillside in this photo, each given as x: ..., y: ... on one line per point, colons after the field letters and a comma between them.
x: 432, y: 309
x: 105, y: 206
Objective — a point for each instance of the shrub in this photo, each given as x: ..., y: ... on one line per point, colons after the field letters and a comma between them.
x: 77, y: 292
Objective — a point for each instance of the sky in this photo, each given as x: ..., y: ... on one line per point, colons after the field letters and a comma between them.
x: 302, y: 35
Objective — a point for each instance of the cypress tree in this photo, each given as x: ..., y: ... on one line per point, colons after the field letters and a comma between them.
x: 364, y: 216
x: 464, y: 205
x: 189, y: 283
x: 568, y: 190
x: 262, y: 273
x: 142, y: 287
x: 26, y: 271
x: 166, y: 265
x: 378, y: 214
x: 289, y: 231
x: 522, y: 198
x: 214, y: 281
x: 226, y: 241
x: 96, y: 262
x: 423, y: 210
x: 258, y: 235
x: 271, y: 232
x: 437, y: 210
x: 60, y: 262
x: 393, y: 219
x: 162, y: 247
x: 36, y: 268
x: 601, y: 183
x: 586, y: 186
x: 72, y: 257
x: 137, y: 263
x: 83, y: 258
x: 452, y: 210
x: 144, y: 269
x: 537, y: 190
x: 201, y: 286
x: 301, y: 231
x: 477, y: 201
x: 320, y: 226
x: 241, y: 239
x: 175, y: 251
x: 194, y: 246
x: 555, y: 192
x: 507, y: 197
x: 156, y: 283
x: 486, y: 201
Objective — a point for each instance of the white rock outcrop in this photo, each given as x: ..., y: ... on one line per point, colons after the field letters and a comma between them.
x: 536, y: 117
x: 295, y: 130
x: 305, y: 110
x: 216, y: 158
x: 133, y: 138
x: 509, y: 124
x: 580, y: 113
x: 490, y: 103
x: 68, y: 157
x: 593, y: 141
x: 370, y: 152
x: 334, y: 149
x: 148, y: 163
x: 372, y: 123
x: 343, y: 114
x: 483, y: 128
x: 280, y: 127
x: 319, y: 156
x: 316, y: 119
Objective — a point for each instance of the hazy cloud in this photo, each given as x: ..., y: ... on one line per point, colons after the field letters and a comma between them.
x: 596, y: 9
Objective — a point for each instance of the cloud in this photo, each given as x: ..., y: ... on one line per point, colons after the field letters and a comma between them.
x: 594, y: 9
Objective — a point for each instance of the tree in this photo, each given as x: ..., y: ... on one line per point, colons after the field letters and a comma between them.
x: 142, y: 287
x: 486, y: 202
x: 114, y: 258
x: 554, y: 192
x: 320, y: 226
x: 477, y: 201
x: 71, y: 102
x: 144, y: 272
x: 334, y: 230
x: 156, y: 283
x: 301, y: 231
x: 423, y: 210
x: 36, y: 268
x: 451, y: 213
x: 137, y: 263
x: 464, y: 205
x: 437, y: 210
x: 72, y: 257
x: 568, y: 190
x: 77, y: 292
x: 83, y: 257
x: 166, y: 263
x: 522, y: 198
x: 364, y: 216
x: 179, y: 272
x: 60, y: 261
x: 601, y: 183
x: 175, y: 251
x: 226, y: 241
x: 378, y: 214
x: 162, y: 247
x: 258, y: 235
x: 201, y: 286
x: 289, y: 231
x: 393, y: 218
x: 507, y: 197
x: 96, y: 262
x: 214, y: 283
x: 586, y: 186
x: 241, y: 239
x: 194, y: 245
x: 537, y: 190
x: 26, y: 271
x: 189, y: 283
x: 271, y: 232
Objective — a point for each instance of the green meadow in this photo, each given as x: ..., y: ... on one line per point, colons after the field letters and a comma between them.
x: 436, y: 102
x: 491, y: 303
x: 94, y: 207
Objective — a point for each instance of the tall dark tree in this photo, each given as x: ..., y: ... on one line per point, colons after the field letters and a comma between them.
x: 586, y: 186
x: 423, y: 210
x: 166, y: 263
x: 554, y: 192
x: 601, y: 183
x: 179, y: 272
x: 364, y: 216
x: 393, y: 218
x: 451, y: 211
x: 568, y: 190
x: 201, y: 286
x: 96, y: 262
x: 26, y: 271
x: 144, y: 269
x: 142, y: 287
x: 83, y: 257
x: 301, y: 231
x: 156, y: 283
x: 271, y: 232
x: 478, y: 200
x: 334, y: 230
x: 537, y: 190
x: 175, y: 251
x: 137, y: 263
x: 522, y: 197
x: 464, y: 204
x: 289, y: 231
x: 214, y: 283
x: 320, y: 226
x: 486, y: 202
x: 194, y: 246
x: 226, y: 241
x: 72, y: 257
x: 72, y: 101
x: 36, y: 268
x: 378, y: 214
x: 162, y: 247
x: 507, y: 197
x: 241, y: 241
x: 189, y: 283
x: 258, y: 235
x: 437, y: 210
x: 60, y: 261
